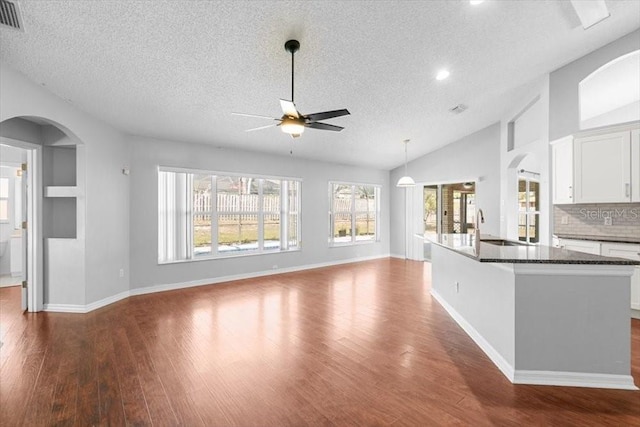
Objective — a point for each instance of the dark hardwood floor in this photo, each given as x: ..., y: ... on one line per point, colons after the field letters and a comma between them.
x: 359, y: 344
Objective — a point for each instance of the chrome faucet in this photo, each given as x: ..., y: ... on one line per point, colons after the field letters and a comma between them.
x: 479, y: 220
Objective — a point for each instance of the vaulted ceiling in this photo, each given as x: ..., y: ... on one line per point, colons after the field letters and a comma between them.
x: 178, y: 69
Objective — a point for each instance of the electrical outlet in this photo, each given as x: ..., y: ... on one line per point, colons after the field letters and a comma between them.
x: 275, y: 266
x: 122, y: 272
x: 607, y: 220
x: 457, y: 287
x: 565, y: 219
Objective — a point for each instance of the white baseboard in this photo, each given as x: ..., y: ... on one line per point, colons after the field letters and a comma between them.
x: 66, y: 308
x: 231, y: 278
x: 400, y: 256
x: 502, y: 364
x: 574, y: 379
x: 78, y: 308
x: 635, y: 314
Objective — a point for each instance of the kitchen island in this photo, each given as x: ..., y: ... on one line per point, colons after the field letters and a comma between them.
x: 543, y: 315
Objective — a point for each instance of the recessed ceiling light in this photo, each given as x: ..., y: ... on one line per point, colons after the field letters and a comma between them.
x: 475, y: 2
x: 442, y: 74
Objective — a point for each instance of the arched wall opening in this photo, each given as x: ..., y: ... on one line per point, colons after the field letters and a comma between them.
x: 53, y: 240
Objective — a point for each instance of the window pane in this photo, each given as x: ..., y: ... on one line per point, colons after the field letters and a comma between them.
x: 202, y: 234
x: 534, y: 225
x: 522, y: 195
x: 365, y: 226
x: 365, y: 198
x: 342, y: 227
x: 271, y: 195
x: 202, y: 193
x: 430, y: 209
x: 271, y: 231
x: 522, y: 227
x: 341, y: 198
x: 534, y: 193
x: 237, y: 233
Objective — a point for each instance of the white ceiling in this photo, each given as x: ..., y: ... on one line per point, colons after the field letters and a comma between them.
x: 177, y: 69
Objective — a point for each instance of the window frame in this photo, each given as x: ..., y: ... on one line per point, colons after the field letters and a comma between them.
x: 213, y: 213
x: 354, y: 213
x: 528, y: 212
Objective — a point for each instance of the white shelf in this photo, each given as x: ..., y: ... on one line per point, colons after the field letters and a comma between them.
x: 61, y: 191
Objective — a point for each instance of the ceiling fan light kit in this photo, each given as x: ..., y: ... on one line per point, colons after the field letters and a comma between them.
x: 292, y: 122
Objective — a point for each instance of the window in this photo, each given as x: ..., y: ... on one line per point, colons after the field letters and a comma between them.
x: 210, y: 215
x: 528, y: 210
x: 4, y: 200
x: 449, y: 208
x: 354, y: 213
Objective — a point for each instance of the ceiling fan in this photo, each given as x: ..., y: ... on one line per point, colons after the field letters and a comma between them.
x: 292, y: 122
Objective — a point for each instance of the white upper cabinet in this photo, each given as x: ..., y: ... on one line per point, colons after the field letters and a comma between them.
x: 635, y: 165
x: 602, y: 168
x: 562, y: 170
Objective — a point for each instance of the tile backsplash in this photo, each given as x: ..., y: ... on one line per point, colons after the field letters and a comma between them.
x: 589, y: 219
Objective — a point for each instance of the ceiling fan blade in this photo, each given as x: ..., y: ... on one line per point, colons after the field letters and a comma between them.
x: 262, y: 127
x: 289, y: 108
x: 324, y: 126
x: 314, y: 117
x: 254, y: 115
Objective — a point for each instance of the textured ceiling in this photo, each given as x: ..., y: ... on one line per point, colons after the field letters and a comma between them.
x: 177, y: 69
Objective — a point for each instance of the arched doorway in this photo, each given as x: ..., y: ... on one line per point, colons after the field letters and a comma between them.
x: 51, y: 226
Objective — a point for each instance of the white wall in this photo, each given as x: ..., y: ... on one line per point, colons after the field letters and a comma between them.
x: 107, y: 190
x: 533, y: 156
x: 475, y: 157
x: 147, y: 154
x: 564, y: 108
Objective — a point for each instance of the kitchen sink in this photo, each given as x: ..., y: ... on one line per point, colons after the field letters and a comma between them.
x: 500, y: 242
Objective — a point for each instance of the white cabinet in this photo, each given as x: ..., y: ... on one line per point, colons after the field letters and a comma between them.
x: 602, y: 168
x: 628, y: 251
x: 562, y: 170
x: 581, y: 246
x: 635, y: 165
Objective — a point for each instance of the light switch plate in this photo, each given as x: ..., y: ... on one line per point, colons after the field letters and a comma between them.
x: 607, y: 220
x: 565, y: 219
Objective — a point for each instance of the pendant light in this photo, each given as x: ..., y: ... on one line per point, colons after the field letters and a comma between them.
x: 406, y: 180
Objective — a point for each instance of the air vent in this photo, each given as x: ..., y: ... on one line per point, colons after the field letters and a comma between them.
x: 458, y: 109
x: 10, y: 15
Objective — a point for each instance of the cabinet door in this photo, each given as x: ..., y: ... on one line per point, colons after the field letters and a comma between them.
x: 603, y: 168
x: 635, y: 165
x: 619, y: 250
x: 562, y: 171
x: 581, y: 246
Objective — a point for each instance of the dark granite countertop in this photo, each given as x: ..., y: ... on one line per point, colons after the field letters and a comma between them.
x: 613, y: 239
x: 520, y: 253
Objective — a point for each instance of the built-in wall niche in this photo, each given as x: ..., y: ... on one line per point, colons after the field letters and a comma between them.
x: 611, y: 94
x: 59, y: 166
x: 59, y: 217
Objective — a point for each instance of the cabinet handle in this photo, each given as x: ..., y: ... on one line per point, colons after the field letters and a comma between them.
x: 626, y: 189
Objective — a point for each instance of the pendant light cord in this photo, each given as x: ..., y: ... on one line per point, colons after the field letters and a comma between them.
x: 406, y: 141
